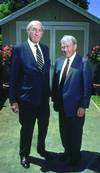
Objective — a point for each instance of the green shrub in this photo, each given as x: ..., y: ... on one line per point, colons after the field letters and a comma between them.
x: 4, y: 10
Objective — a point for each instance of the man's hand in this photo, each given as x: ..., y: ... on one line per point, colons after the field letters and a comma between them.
x: 15, y: 107
x: 80, y: 112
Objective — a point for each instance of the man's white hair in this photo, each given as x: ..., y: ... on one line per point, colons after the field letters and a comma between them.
x: 32, y: 23
x: 68, y: 38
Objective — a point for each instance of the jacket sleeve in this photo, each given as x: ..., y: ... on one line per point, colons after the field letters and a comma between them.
x: 14, y: 76
x: 54, y: 93
x: 87, y: 83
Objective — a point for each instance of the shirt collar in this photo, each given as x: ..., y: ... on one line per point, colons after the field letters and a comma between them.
x: 31, y: 43
x: 72, y: 57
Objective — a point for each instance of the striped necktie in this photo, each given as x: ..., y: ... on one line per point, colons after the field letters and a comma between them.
x: 39, y: 58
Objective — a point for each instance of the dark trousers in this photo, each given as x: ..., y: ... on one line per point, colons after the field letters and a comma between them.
x: 27, y: 119
x: 71, y: 129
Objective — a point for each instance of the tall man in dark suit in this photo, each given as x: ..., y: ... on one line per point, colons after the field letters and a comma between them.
x: 71, y: 91
x: 30, y: 90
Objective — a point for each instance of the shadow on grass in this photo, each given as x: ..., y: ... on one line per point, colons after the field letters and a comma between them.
x: 90, y: 160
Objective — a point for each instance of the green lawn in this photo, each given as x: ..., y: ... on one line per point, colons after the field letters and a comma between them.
x: 96, y: 99
x: 9, y: 143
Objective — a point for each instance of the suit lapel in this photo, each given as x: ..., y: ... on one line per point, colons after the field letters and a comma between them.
x: 59, y: 66
x: 29, y: 54
x: 75, y: 64
x: 42, y: 48
x: 45, y: 56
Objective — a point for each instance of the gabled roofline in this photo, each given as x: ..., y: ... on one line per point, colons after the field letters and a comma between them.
x: 39, y: 2
x: 80, y: 10
x: 22, y: 11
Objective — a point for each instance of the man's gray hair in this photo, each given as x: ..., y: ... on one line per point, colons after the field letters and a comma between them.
x: 32, y: 23
x: 68, y: 38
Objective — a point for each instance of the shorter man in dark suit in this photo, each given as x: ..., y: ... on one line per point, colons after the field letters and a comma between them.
x: 71, y: 91
x: 30, y: 90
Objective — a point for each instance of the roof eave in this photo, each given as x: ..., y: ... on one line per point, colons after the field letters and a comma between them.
x: 38, y: 3
x: 80, y: 10
x: 22, y: 11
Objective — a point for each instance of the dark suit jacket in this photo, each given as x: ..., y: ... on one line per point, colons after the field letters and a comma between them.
x: 77, y: 86
x: 27, y: 83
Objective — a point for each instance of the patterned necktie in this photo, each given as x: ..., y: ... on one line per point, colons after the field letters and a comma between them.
x: 39, y: 58
x: 64, y: 74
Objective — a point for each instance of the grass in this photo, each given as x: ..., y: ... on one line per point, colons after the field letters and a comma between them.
x: 9, y: 142
x: 96, y: 99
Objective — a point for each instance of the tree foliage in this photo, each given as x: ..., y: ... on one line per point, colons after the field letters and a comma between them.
x: 17, y: 4
x: 9, y: 6
x: 81, y: 3
x: 4, y: 10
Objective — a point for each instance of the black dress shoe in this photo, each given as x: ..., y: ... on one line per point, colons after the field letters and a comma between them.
x: 41, y: 152
x: 75, y: 161
x: 48, y: 156
x: 45, y: 154
x: 63, y: 157
x: 25, y: 162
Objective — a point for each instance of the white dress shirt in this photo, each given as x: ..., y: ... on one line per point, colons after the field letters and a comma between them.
x: 33, y: 48
x: 70, y: 62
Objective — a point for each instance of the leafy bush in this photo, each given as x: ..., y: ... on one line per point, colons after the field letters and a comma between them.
x: 4, y: 10
x: 18, y: 4
x: 9, y: 6
x: 0, y: 39
x: 95, y: 54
